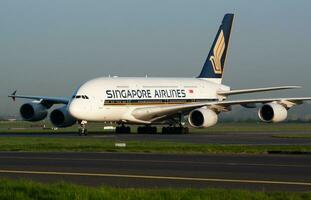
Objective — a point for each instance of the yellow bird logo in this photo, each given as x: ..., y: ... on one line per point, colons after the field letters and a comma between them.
x: 218, y: 51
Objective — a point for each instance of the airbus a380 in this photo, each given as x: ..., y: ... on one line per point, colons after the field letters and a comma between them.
x: 153, y: 101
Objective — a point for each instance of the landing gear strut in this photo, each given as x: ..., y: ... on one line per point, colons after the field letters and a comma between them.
x: 82, y: 129
x: 179, y: 129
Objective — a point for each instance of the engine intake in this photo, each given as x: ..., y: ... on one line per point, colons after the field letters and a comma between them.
x: 61, y: 118
x: 202, y: 118
x: 272, y: 112
x: 33, y: 112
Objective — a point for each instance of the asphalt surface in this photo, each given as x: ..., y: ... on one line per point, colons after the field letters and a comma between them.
x: 248, y: 138
x: 259, y: 172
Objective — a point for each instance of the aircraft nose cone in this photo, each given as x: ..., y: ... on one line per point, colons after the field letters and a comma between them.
x: 74, y: 109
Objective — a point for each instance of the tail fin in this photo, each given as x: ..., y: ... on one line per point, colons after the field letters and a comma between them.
x: 214, y: 65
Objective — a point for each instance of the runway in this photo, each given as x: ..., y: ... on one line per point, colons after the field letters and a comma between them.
x: 244, y: 138
x: 259, y: 172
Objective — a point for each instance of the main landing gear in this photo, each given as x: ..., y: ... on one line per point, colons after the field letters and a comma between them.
x: 82, y: 128
x: 123, y: 129
x: 177, y: 128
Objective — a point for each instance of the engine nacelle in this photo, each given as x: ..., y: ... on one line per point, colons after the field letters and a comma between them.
x: 33, y: 112
x: 61, y: 118
x: 202, y: 118
x: 272, y: 112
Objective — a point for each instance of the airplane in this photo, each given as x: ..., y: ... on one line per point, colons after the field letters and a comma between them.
x: 149, y: 102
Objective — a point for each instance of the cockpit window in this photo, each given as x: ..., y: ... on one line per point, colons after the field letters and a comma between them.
x: 80, y: 96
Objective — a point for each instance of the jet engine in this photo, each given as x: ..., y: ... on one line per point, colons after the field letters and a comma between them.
x: 33, y: 111
x: 272, y: 112
x: 202, y: 118
x: 60, y: 117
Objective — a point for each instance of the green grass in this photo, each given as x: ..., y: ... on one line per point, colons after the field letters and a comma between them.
x: 74, y: 144
x: 81, y: 144
x: 24, y: 190
x: 30, y: 127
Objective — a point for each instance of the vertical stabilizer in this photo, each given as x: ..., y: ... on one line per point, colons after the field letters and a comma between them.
x: 214, y: 65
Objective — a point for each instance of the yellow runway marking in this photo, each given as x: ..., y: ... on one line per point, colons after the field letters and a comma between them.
x: 175, y: 178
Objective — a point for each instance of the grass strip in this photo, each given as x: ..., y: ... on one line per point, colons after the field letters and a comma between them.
x: 42, y: 144
x: 35, y: 127
x: 24, y: 190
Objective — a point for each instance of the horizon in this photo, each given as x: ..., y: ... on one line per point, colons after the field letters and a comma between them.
x: 49, y: 48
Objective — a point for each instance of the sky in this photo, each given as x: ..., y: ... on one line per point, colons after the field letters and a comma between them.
x: 50, y: 47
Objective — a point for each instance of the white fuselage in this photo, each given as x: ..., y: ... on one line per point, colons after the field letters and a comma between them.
x: 112, y: 99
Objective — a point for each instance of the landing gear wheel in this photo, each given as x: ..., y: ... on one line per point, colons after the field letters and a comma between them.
x: 127, y: 129
x: 82, y: 132
x: 164, y: 130
x: 123, y: 129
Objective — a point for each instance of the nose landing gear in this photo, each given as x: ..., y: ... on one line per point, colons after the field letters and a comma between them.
x: 82, y: 128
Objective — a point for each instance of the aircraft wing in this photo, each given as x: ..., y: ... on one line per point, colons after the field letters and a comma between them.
x: 286, y: 101
x: 154, y: 113
x: 43, y: 99
x: 247, y: 91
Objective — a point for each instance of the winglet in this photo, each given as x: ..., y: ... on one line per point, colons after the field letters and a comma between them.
x: 13, y: 95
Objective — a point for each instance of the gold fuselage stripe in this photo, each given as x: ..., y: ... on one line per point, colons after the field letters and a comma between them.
x: 153, y: 102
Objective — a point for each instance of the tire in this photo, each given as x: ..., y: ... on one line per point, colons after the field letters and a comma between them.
x: 142, y: 130
x: 154, y: 130
x: 122, y: 130
x: 164, y: 130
